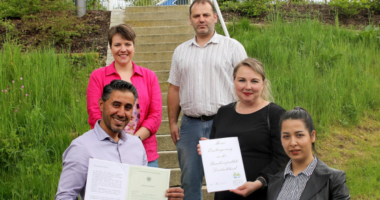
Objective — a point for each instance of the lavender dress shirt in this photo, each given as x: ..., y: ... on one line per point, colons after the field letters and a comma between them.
x: 95, y: 143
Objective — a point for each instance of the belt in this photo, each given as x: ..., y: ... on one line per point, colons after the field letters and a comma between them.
x: 203, y: 117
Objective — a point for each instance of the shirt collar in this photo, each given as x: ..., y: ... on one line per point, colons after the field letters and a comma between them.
x: 215, y: 39
x: 102, y: 135
x: 110, y: 69
x: 308, y: 171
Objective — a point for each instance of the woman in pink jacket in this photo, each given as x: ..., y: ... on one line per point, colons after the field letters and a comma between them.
x: 147, y: 112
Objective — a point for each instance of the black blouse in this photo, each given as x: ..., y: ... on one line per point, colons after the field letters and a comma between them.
x: 261, y: 148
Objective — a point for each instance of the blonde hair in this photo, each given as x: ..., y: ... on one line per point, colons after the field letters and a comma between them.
x: 258, y: 68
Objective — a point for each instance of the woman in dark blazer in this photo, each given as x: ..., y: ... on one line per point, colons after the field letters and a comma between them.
x: 305, y: 176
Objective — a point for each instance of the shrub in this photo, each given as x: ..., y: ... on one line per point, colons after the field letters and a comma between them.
x: 349, y: 8
x: 251, y: 8
x: 20, y: 8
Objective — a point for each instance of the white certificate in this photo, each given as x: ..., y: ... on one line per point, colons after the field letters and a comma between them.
x: 222, y: 164
x: 116, y: 181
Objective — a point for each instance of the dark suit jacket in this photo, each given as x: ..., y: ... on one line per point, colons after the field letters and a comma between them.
x: 324, y: 184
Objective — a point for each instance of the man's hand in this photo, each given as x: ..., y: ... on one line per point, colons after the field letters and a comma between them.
x: 174, y: 193
x: 174, y: 131
x: 173, y: 111
x: 247, y: 188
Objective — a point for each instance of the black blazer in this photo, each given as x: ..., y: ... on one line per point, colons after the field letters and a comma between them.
x: 325, y: 183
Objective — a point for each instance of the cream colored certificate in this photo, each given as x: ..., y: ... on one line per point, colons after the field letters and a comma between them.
x: 116, y: 181
x: 222, y: 164
x: 147, y: 183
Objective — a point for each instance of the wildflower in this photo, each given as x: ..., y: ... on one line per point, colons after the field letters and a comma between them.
x: 2, y: 90
x: 13, y: 81
x: 22, y: 87
x: 20, y: 78
x: 5, y: 90
x: 26, y: 94
x: 15, y: 110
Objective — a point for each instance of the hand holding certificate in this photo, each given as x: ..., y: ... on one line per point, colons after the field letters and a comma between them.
x: 222, y: 164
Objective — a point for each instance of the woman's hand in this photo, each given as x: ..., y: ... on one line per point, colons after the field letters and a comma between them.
x: 247, y: 188
x: 199, y: 146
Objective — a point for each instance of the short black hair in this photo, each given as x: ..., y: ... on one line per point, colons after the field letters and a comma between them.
x: 299, y: 113
x: 119, y: 85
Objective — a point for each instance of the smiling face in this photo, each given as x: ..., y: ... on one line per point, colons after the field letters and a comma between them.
x: 297, y: 141
x: 203, y: 19
x: 122, y: 50
x: 116, y: 111
x: 249, y: 84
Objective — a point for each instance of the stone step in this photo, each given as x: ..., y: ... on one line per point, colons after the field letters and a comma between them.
x: 152, y: 56
x: 164, y: 98
x: 165, y: 113
x: 154, y: 47
x: 117, y: 17
x: 163, y: 38
x: 164, y: 86
x: 165, y: 143
x: 157, y: 22
x: 205, y: 195
x: 157, y: 15
x: 162, y: 75
x: 156, y: 30
x: 175, y: 177
x: 168, y: 159
x: 155, y: 65
x: 164, y: 128
x: 140, y: 9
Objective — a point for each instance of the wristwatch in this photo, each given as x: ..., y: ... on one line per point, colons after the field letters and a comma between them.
x: 263, y: 181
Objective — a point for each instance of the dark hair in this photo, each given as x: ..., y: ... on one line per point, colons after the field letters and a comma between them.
x: 258, y: 68
x: 202, y: 2
x: 124, y: 30
x: 119, y: 85
x: 299, y: 113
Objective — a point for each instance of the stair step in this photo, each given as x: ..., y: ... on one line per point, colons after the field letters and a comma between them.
x: 163, y: 30
x: 168, y: 159
x: 165, y: 113
x: 157, y: 22
x: 157, y: 15
x: 162, y: 75
x: 175, y: 178
x: 164, y: 128
x: 140, y: 9
x: 207, y: 196
x: 165, y: 143
x: 164, y: 86
x: 154, y: 47
x: 178, y: 38
x: 152, y: 56
x: 164, y: 99
x: 155, y: 65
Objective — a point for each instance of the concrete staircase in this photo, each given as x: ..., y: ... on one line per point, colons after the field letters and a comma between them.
x: 159, y: 30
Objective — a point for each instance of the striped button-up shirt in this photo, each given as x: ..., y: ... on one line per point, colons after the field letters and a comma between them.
x: 204, y: 74
x: 294, y: 185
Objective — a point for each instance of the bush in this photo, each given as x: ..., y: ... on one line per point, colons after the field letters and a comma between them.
x: 374, y: 5
x: 20, y: 8
x: 251, y: 8
x: 349, y: 8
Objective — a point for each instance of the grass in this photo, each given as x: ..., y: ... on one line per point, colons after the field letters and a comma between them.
x: 332, y: 72
x: 43, y: 105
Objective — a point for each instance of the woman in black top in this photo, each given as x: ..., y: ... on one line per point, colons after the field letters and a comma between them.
x: 255, y: 121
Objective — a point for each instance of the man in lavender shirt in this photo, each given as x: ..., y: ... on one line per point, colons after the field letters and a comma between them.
x: 107, y: 141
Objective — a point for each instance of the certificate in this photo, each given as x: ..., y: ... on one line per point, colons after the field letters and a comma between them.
x: 222, y: 164
x: 116, y: 181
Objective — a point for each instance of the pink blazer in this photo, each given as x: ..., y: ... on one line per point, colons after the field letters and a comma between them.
x: 150, y: 100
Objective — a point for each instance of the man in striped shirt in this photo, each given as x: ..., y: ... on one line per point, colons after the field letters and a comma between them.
x: 200, y: 83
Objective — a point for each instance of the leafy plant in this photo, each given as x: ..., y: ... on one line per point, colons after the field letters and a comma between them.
x: 349, y: 8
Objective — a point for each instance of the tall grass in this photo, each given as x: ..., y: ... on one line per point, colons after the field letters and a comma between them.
x: 332, y: 72
x: 43, y: 107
